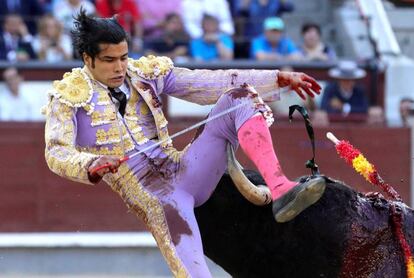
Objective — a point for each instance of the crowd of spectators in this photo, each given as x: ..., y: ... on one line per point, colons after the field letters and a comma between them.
x: 203, y: 30
x: 200, y: 30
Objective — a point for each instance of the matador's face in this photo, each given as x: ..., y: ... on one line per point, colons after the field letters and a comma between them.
x: 110, y: 65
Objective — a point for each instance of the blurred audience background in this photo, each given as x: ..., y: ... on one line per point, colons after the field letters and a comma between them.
x: 343, y: 95
x: 360, y: 51
x: 201, y: 31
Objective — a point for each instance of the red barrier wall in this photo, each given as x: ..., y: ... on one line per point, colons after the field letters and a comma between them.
x: 34, y: 199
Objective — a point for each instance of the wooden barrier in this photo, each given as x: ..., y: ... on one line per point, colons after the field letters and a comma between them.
x: 33, y: 199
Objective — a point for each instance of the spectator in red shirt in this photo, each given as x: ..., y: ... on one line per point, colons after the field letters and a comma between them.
x: 128, y: 15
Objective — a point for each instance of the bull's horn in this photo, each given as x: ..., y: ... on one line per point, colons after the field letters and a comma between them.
x: 258, y: 195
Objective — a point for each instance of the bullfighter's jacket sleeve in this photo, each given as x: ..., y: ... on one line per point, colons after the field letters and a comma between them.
x: 206, y: 86
x: 61, y: 154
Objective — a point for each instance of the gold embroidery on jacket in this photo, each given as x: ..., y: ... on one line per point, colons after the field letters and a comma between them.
x: 103, y: 96
x: 174, y: 154
x: 116, y: 149
x: 132, y: 118
x: 159, y: 118
x: 150, y: 210
x: 140, y: 138
x: 99, y: 118
x: 74, y: 90
x: 112, y: 135
x: 151, y: 67
x: 60, y: 152
x: 137, y: 132
x: 131, y: 107
x: 133, y: 126
x: 163, y: 134
x: 144, y: 109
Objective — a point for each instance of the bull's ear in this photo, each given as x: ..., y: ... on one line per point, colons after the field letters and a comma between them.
x: 256, y: 194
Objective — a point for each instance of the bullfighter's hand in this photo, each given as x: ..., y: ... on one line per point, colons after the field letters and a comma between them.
x: 112, y: 163
x: 300, y: 82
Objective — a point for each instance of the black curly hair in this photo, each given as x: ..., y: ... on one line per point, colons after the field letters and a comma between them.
x: 89, y: 32
x: 310, y: 25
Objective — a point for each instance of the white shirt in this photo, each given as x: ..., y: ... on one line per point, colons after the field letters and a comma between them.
x: 52, y: 54
x: 123, y: 88
x: 15, y: 108
x: 193, y: 11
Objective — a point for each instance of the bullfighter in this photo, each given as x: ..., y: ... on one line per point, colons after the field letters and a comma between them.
x: 111, y: 108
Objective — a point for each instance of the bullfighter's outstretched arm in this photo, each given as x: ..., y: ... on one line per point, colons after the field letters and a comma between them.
x: 206, y: 86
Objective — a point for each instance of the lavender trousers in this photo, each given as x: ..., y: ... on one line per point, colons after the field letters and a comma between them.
x: 192, y: 183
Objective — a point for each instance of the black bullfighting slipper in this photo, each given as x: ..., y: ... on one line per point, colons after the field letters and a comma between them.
x: 297, y: 199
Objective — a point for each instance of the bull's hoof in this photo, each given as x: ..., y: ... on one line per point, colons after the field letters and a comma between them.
x: 298, y: 199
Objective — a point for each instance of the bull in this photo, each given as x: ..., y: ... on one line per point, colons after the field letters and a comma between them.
x: 345, y: 234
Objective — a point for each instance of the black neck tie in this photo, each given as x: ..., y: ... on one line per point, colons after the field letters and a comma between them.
x: 121, y: 98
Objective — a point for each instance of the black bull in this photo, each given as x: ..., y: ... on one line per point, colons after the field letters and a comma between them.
x: 345, y: 234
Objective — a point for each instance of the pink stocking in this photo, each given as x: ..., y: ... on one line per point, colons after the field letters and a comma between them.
x: 255, y: 140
